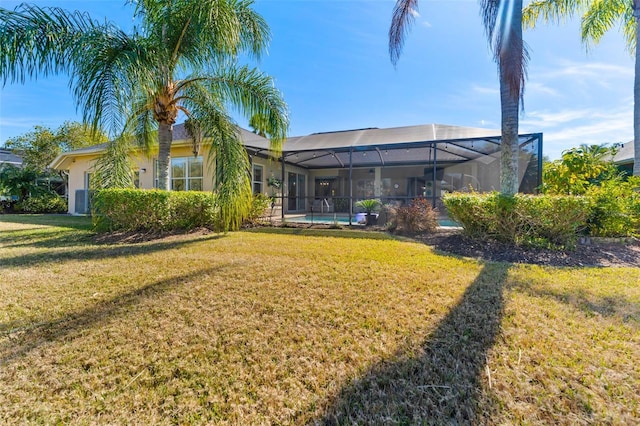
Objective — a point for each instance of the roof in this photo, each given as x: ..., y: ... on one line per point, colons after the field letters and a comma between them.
x: 7, y: 156
x: 625, y: 154
x: 364, y: 147
x: 180, y: 136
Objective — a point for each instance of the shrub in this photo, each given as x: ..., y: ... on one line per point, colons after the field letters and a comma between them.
x: 45, y: 203
x: 389, y: 214
x: 259, y: 206
x: 543, y: 220
x: 369, y: 205
x: 153, y: 210
x: 615, y: 208
x: 192, y: 209
x: 579, y: 169
x: 418, y: 216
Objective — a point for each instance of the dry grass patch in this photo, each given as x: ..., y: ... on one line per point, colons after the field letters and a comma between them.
x: 296, y: 326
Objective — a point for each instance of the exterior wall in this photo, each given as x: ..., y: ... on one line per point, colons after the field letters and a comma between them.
x: 78, y: 169
x: 80, y: 166
x: 273, y: 169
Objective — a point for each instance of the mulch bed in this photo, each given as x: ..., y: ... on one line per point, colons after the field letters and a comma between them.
x: 591, y: 252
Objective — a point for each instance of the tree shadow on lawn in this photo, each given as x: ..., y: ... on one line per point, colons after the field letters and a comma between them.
x: 57, y: 220
x: 440, y: 382
x: 590, y: 304
x: 45, y: 237
x: 92, y: 252
x: 18, y: 340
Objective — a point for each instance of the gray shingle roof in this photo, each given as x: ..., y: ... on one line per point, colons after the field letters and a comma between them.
x: 6, y: 156
x: 625, y: 154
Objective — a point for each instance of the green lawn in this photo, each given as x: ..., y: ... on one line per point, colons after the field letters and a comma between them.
x: 293, y: 327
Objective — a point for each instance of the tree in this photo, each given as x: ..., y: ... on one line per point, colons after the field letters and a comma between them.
x: 502, y: 21
x: 579, y: 169
x: 39, y: 147
x: 598, y: 17
x: 21, y: 182
x: 183, y: 58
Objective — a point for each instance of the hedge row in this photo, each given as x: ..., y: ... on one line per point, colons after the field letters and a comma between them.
x: 153, y: 210
x: 43, y: 203
x: 540, y: 220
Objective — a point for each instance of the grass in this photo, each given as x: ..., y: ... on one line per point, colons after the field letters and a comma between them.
x: 304, y: 326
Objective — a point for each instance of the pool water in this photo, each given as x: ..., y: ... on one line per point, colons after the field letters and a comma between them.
x: 317, y: 218
x: 344, y: 220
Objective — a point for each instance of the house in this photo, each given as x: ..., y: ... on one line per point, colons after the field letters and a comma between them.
x: 8, y: 157
x: 329, y: 172
x: 624, y: 158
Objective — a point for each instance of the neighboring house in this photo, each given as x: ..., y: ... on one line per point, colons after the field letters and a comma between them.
x: 624, y: 158
x: 8, y: 157
x: 329, y: 172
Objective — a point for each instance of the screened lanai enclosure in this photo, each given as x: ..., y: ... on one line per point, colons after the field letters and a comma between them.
x: 327, y: 173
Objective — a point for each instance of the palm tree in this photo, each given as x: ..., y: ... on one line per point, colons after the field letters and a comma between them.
x: 502, y: 21
x: 182, y: 59
x: 598, y: 17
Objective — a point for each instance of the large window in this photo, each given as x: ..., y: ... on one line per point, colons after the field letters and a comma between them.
x: 185, y: 174
x: 257, y: 179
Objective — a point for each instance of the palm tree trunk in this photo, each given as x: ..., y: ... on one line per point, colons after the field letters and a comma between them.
x: 510, y: 65
x: 165, y: 136
x: 509, y: 148
x: 636, y: 102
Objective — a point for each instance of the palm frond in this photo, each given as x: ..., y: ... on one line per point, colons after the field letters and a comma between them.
x: 402, y: 18
x: 600, y: 17
x: 227, y: 156
x: 113, y: 168
x: 551, y: 11
x: 502, y: 21
x: 37, y: 41
x: 194, y: 129
x: 253, y: 92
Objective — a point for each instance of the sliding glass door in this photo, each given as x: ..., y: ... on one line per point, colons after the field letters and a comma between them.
x: 296, y: 200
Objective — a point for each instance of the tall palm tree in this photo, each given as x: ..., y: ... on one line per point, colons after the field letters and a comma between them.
x: 598, y: 17
x: 502, y: 21
x: 183, y: 58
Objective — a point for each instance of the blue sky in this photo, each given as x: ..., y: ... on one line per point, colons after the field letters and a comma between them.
x: 330, y: 60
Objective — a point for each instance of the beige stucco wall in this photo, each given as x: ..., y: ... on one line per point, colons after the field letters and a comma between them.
x: 79, y: 166
x: 77, y: 169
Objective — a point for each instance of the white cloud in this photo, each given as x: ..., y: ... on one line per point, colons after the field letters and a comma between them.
x: 569, y: 128
x: 414, y: 13
x: 426, y: 24
x: 540, y: 88
x: 483, y: 90
x: 596, y: 70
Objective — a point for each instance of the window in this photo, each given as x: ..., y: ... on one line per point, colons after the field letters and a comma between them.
x: 136, y: 179
x: 185, y: 174
x: 257, y: 179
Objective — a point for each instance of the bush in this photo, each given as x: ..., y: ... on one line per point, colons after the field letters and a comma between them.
x: 153, y: 210
x: 543, y: 220
x: 418, y: 216
x: 615, y: 208
x: 45, y: 203
x: 259, y: 206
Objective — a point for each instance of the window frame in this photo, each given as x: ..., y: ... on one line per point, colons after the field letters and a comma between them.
x: 187, y: 178
x: 255, y: 182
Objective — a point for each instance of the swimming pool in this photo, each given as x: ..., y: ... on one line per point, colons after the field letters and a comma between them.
x: 319, y: 218
x: 344, y: 220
